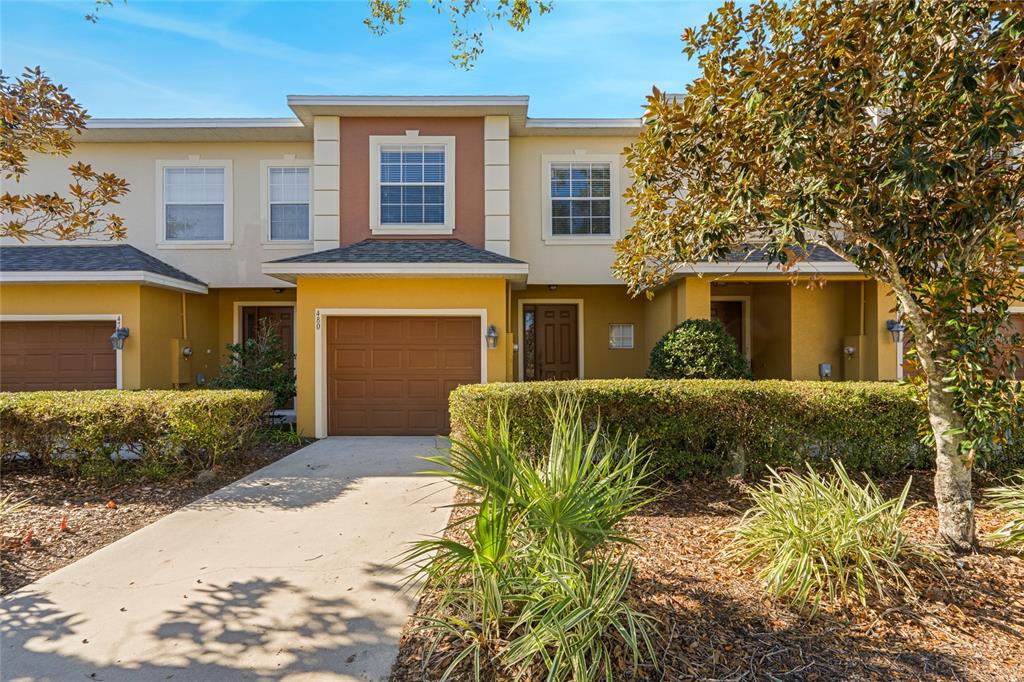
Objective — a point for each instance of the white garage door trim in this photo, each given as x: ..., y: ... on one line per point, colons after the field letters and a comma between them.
x: 320, y: 350
x: 100, y: 317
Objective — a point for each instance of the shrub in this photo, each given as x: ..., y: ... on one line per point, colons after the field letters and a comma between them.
x: 823, y: 536
x: 698, y: 349
x: 1009, y: 499
x: 541, y: 578
x: 106, y: 432
x: 723, y: 427
x: 260, y: 363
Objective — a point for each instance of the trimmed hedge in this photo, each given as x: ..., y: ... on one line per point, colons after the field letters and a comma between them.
x: 724, y: 427
x: 95, y: 432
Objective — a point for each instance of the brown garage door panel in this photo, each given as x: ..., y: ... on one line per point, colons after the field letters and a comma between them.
x: 392, y: 375
x: 56, y: 355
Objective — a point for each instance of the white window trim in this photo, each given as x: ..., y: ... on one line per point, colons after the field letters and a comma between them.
x: 615, y: 162
x: 162, y: 242
x: 578, y: 302
x: 632, y: 335
x: 745, y: 301
x: 413, y: 137
x: 265, y: 166
x: 320, y: 316
x: 100, y: 317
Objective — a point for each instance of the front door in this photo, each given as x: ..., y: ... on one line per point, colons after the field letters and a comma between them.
x: 730, y: 314
x: 281, y: 319
x: 551, y: 342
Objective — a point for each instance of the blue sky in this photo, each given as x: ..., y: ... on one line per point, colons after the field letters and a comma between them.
x: 242, y: 58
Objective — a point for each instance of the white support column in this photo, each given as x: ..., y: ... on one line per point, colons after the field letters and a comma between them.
x: 326, y: 182
x: 496, y: 185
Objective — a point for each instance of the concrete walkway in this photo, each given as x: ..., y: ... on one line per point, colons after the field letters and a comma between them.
x: 286, y: 574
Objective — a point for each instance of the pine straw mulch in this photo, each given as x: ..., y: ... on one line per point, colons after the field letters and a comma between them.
x: 716, y: 623
x: 96, y: 513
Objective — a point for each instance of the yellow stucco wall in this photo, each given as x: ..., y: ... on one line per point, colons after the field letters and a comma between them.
x: 601, y: 306
x: 688, y: 298
x: 84, y: 299
x: 228, y: 300
x: 381, y: 294
x: 818, y: 323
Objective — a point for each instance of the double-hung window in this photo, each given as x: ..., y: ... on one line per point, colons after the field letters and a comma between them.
x: 194, y: 204
x: 288, y: 192
x: 581, y: 202
x: 413, y: 185
x: 581, y: 198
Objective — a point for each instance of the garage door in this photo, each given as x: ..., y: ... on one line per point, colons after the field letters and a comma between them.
x: 392, y: 375
x: 56, y: 355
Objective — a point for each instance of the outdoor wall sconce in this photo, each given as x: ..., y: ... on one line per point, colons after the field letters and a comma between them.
x: 118, y: 337
x: 850, y: 351
x: 492, y: 337
x: 896, y: 328
x: 187, y: 351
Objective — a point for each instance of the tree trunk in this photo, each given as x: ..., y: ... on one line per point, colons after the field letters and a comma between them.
x: 952, y: 472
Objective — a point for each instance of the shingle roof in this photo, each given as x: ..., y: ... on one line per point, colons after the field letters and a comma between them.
x: 404, y: 251
x: 92, y: 258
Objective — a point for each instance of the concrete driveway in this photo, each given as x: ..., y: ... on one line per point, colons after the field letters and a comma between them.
x: 286, y: 574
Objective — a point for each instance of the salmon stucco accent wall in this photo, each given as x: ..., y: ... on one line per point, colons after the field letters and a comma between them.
x: 380, y: 294
x: 469, y: 171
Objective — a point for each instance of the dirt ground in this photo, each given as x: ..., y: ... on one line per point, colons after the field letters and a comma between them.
x: 716, y: 623
x: 67, y: 519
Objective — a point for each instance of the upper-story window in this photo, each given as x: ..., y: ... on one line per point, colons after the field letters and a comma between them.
x: 581, y: 198
x: 288, y: 193
x: 412, y: 187
x: 581, y: 202
x: 194, y: 203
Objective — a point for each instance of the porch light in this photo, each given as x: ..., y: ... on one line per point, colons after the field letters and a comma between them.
x: 896, y: 328
x: 118, y: 337
x: 492, y: 337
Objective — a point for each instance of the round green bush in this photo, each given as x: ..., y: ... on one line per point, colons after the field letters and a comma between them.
x: 698, y: 349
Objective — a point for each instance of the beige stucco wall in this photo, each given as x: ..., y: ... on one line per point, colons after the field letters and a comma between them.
x: 558, y: 263
x: 238, y: 265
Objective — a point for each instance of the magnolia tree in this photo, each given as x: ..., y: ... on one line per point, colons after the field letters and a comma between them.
x: 888, y: 131
x: 38, y: 116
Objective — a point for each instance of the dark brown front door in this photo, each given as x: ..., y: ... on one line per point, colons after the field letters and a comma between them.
x: 730, y: 314
x: 392, y: 375
x: 554, y: 345
x: 56, y: 355
x: 281, y: 319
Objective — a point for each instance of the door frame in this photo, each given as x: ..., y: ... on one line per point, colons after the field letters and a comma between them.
x: 74, y: 317
x: 578, y: 302
x: 747, y: 349
x: 320, y: 346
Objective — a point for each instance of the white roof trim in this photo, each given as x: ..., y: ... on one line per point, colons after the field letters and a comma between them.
x: 164, y: 123
x: 584, y: 123
x: 805, y: 267
x: 67, y: 276
x: 409, y: 100
x: 291, y: 270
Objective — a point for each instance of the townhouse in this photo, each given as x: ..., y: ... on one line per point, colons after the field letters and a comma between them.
x: 401, y: 246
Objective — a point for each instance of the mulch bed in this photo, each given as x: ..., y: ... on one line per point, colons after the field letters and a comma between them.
x: 95, y: 514
x: 716, y: 623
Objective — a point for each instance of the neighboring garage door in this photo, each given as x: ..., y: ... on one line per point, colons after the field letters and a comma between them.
x: 56, y: 355
x: 392, y: 375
